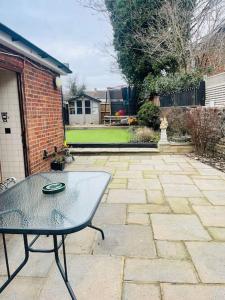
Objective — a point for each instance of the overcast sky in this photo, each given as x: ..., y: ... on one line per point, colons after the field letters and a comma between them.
x: 69, y: 32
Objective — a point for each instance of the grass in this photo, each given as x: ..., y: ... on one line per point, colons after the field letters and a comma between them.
x: 98, y: 135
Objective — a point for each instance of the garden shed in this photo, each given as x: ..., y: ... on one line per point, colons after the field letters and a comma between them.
x: 84, y: 110
x: 30, y: 105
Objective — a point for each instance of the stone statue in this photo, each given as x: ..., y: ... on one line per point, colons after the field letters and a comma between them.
x: 163, y: 134
x: 164, y: 123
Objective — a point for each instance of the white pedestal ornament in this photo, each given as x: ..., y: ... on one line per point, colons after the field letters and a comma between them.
x: 163, y: 135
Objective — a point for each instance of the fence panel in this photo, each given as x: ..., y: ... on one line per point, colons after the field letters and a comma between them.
x: 190, y: 97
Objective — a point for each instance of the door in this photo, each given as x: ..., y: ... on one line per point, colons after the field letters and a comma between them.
x: 11, y: 145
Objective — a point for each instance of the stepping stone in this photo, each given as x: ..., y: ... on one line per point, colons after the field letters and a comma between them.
x: 178, y: 227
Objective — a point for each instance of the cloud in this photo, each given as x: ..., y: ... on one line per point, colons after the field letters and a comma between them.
x: 69, y: 32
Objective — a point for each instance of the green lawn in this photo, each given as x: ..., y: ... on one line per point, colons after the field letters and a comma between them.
x: 98, y: 135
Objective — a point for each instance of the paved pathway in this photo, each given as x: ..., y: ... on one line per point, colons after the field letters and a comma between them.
x: 164, y: 220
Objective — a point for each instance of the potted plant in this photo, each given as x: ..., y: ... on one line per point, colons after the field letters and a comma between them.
x: 67, y: 156
x: 58, y: 162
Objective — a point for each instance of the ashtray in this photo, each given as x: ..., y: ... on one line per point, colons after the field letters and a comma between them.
x: 53, y: 188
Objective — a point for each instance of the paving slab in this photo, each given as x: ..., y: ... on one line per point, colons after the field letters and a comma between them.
x: 141, y: 167
x: 81, y: 242
x: 16, y: 255
x: 134, y: 291
x: 126, y: 240
x: 209, y: 171
x: 192, y: 292
x: 208, y: 259
x: 150, y: 184
x: 22, y: 289
x: 175, y: 179
x: 211, y: 215
x: 215, y: 197
x: 168, y: 167
x: 178, y: 227
x: 138, y: 218
x: 181, y: 190
x: 217, y: 233
x: 128, y: 174
x: 171, y: 250
x: 91, y: 277
x: 156, y: 197
x: 210, y: 185
x: 181, y: 200
x: 198, y: 201
x: 110, y: 214
x: 159, y: 270
x: 126, y: 196
x: 179, y: 205
x: 148, y: 208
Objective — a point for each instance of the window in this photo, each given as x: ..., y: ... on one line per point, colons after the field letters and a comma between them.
x: 79, y: 107
x: 87, y: 107
x: 71, y: 108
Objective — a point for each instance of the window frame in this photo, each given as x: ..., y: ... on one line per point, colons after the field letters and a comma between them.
x: 87, y: 107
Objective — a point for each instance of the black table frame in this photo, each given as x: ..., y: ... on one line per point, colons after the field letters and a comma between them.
x: 56, y: 246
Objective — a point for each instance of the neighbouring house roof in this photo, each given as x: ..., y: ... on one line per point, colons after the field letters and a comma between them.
x: 83, y: 95
x: 16, y: 42
x: 115, y: 93
x: 97, y: 94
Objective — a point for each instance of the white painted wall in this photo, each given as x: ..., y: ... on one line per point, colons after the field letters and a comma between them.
x: 215, y: 90
x: 11, y: 150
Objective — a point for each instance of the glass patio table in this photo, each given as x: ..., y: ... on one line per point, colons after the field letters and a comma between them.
x: 25, y: 209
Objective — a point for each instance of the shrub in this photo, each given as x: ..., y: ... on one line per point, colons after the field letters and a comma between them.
x: 204, y: 126
x: 169, y: 84
x: 145, y: 135
x: 148, y: 115
x: 177, y: 124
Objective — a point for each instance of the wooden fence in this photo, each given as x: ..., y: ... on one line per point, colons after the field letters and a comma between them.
x: 190, y: 97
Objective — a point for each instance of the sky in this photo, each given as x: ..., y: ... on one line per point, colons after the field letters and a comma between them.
x: 69, y: 32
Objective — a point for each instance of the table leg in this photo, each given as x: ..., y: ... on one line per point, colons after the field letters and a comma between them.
x: 63, y: 272
x: 98, y: 229
x: 13, y: 275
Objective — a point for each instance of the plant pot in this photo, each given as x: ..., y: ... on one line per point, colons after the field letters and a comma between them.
x: 68, y: 159
x: 57, y: 166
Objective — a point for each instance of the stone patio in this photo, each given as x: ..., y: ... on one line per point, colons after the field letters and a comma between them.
x: 164, y: 221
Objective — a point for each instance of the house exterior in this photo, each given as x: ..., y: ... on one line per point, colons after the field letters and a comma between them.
x: 215, y: 90
x: 30, y: 105
x: 84, y: 110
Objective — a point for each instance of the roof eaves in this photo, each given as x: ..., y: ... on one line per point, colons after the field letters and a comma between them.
x: 15, y: 37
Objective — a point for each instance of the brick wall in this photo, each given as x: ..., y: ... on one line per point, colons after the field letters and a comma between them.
x: 42, y: 110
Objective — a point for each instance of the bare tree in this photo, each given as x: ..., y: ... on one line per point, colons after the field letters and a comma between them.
x: 194, y: 35
x: 74, y: 88
x: 96, y: 5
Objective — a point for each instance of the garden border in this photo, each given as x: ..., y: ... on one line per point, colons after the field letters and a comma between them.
x: 112, y: 145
